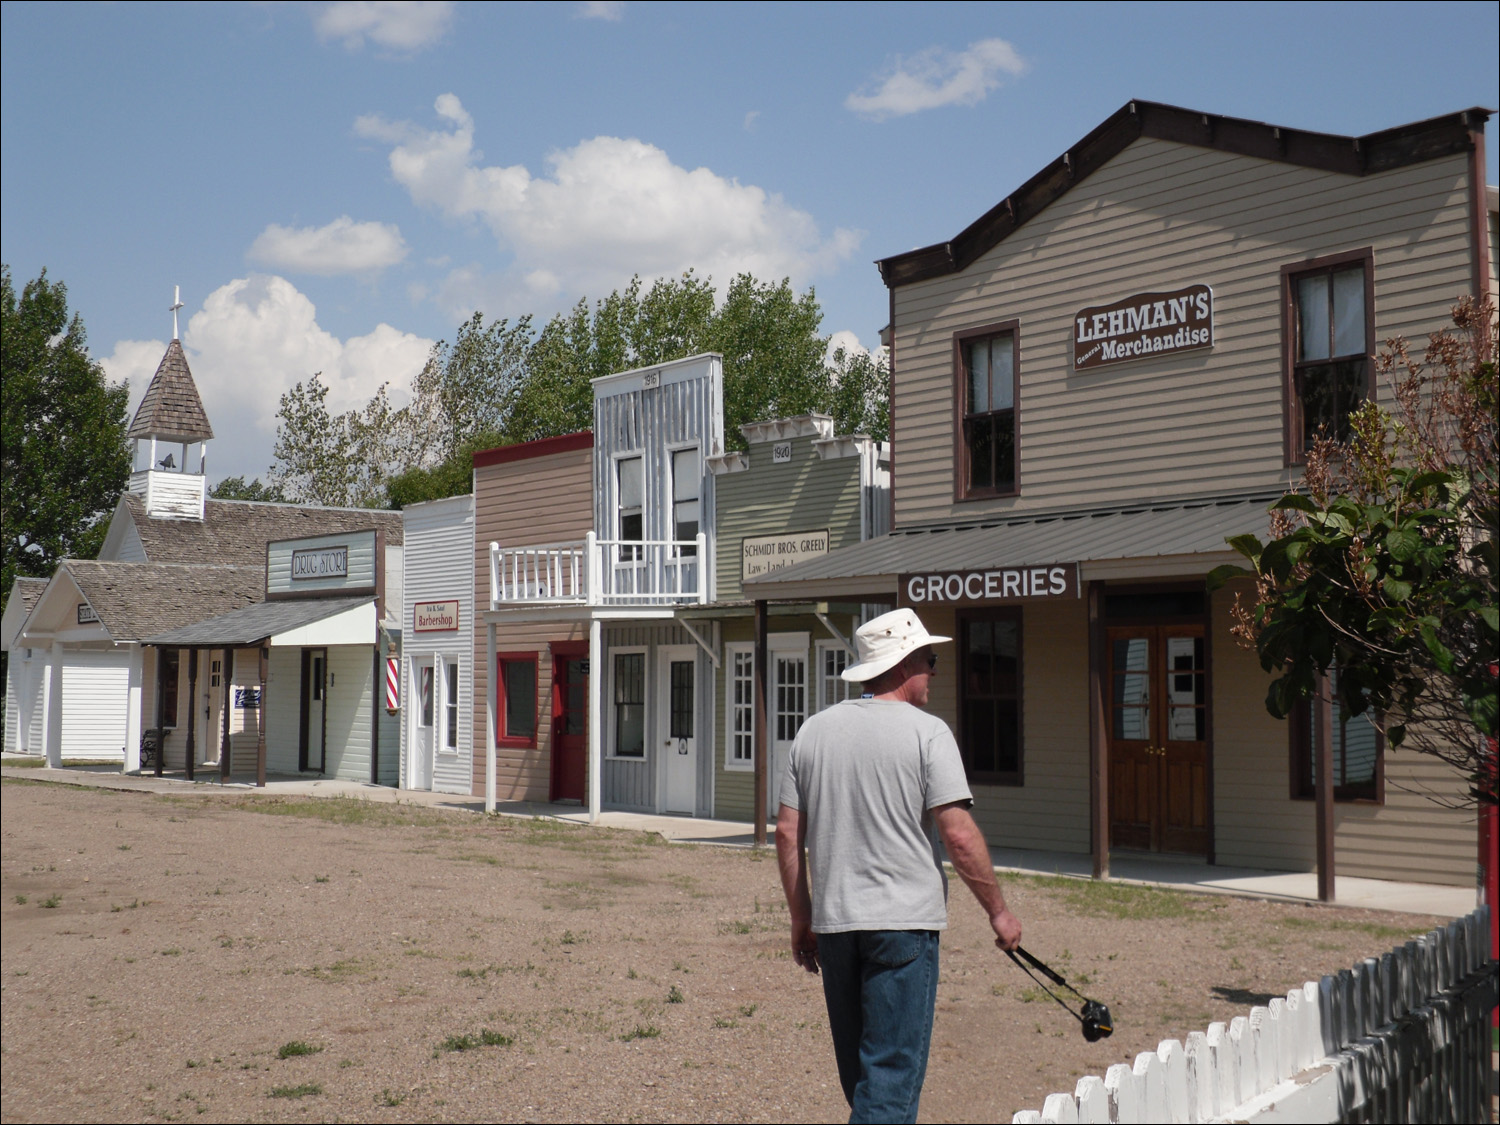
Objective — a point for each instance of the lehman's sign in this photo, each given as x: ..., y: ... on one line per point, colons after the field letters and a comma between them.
x: 1148, y: 324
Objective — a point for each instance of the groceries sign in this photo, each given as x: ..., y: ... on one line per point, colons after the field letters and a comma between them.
x: 1147, y: 324
x: 1000, y: 584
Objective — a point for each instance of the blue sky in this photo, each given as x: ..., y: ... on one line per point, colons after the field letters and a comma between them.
x: 335, y: 186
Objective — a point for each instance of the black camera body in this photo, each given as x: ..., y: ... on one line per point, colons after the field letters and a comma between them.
x: 1097, y: 1022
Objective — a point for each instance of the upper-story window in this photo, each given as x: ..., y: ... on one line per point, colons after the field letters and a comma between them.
x: 630, y: 519
x: 987, y: 373
x: 1330, y: 348
x: 687, y: 480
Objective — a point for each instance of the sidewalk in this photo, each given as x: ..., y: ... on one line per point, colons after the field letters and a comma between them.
x: 1282, y: 886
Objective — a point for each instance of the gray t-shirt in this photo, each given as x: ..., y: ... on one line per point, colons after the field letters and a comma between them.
x: 864, y: 775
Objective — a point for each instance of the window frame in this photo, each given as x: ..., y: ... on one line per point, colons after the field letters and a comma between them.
x: 847, y: 690
x: 672, y: 451
x: 1291, y: 273
x: 962, y: 488
x: 732, y: 650
x: 619, y: 514
x: 452, y: 715
x: 962, y: 619
x: 502, y: 739
x: 1303, y: 786
x: 169, y: 671
x: 613, y: 745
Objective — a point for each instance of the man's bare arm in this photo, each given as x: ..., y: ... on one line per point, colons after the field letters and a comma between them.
x: 971, y: 859
x: 791, y: 857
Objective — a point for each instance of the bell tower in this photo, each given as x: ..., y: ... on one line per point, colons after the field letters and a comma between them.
x: 169, y: 421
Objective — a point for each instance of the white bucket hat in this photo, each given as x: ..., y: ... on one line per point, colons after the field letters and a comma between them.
x: 885, y: 642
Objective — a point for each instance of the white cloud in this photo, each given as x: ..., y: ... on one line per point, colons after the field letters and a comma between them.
x: 613, y: 10
x: 750, y: 119
x: 343, y: 246
x: 937, y: 77
x: 393, y: 24
x: 252, y: 340
x: 607, y: 208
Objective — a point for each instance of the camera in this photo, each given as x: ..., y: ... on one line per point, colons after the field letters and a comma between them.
x: 1097, y: 1022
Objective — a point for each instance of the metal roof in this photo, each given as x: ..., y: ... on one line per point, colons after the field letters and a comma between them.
x: 257, y: 622
x: 1173, y: 528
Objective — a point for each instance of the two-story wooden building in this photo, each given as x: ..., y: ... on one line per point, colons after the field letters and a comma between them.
x: 1093, y: 385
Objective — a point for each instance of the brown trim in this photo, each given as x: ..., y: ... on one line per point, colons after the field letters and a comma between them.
x: 1479, y: 218
x: 226, y: 711
x: 1300, y: 761
x: 961, y: 490
x: 541, y: 447
x: 758, y: 720
x: 569, y: 648
x: 1323, y: 819
x: 961, y: 619
x: 192, y: 715
x: 377, y: 678
x: 1098, y: 746
x: 1353, y: 156
x: 1292, y: 452
x: 263, y: 672
x: 161, y: 735
x: 308, y: 595
x: 1208, y: 722
x: 379, y: 581
x: 501, y: 660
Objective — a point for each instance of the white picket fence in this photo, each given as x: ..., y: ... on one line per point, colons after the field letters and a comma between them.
x: 1402, y: 1037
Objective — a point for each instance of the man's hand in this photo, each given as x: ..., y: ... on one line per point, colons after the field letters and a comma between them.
x: 805, y: 946
x: 1007, y: 929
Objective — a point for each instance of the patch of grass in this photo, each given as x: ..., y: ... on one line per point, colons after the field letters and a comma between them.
x: 343, y: 810
x: 303, y: 1090
x: 485, y: 1038
x: 316, y: 879
x: 735, y: 927
x: 123, y: 848
x: 391, y: 1098
x: 630, y: 974
x: 172, y: 951
x: 674, y: 995
x: 51, y: 902
x: 1126, y: 901
x: 722, y: 1022
x: 297, y: 1047
x: 641, y: 1031
x: 1374, y: 929
x: 21, y: 900
x: 339, y: 970
x: 748, y: 1010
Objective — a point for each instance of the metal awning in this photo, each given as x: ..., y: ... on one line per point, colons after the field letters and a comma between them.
x: 1186, y: 535
x: 279, y: 620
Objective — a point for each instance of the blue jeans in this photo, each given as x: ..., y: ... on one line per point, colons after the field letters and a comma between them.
x: 880, y: 987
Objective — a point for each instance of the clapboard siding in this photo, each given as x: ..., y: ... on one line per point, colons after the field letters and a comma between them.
x: 527, y: 502
x: 361, y: 564
x: 1157, y: 216
x: 351, y: 672
x: 23, y: 702
x: 283, y: 706
x: 94, y: 691
x: 805, y: 494
x: 438, y: 566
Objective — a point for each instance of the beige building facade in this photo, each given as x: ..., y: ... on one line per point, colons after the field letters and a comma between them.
x: 1095, y: 384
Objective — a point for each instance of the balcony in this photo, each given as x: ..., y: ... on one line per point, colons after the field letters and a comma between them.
x: 600, y: 572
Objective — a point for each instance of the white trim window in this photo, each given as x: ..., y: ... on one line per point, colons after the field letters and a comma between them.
x: 833, y: 658
x: 449, y: 743
x: 627, y: 704
x: 739, y: 706
x: 630, y: 510
x: 687, y: 482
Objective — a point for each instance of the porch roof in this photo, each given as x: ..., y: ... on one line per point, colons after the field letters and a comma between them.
x: 265, y: 621
x: 1192, y: 531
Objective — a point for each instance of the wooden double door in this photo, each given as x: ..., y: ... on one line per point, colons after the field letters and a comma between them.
x: 1158, y: 738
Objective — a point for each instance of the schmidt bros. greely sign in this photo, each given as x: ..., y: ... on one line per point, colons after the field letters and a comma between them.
x: 1147, y: 324
x: 976, y: 587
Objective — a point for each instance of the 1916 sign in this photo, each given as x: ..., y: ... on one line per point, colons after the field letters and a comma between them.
x: 977, y: 587
x: 1147, y: 324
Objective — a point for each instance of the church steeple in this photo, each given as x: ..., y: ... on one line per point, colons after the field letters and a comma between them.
x: 171, y: 412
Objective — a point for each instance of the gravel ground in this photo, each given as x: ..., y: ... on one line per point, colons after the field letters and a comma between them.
x: 161, y: 955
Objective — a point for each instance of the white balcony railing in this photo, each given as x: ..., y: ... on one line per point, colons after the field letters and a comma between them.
x: 600, y: 572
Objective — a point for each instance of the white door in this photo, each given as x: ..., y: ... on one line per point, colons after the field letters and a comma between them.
x: 419, y: 760
x: 317, y: 702
x: 788, y: 709
x: 677, y: 729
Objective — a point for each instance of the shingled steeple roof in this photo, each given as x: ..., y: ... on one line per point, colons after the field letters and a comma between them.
x: 171, y: 407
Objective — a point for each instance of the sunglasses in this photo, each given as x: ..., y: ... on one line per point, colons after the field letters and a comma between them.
x: 932, y: 662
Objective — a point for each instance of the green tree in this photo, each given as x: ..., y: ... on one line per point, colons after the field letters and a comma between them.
x: 235, y: 488
x: 65, y: 459
x: 860, y: 394
x: 1384, y: 567
x: 773, y: 355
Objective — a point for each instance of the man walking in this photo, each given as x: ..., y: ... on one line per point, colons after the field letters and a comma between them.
x: 866, y: 783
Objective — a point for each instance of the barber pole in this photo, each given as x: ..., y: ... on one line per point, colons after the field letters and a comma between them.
x: 392, y: 684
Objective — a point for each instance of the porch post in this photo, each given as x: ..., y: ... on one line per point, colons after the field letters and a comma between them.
x: 596, y: 714
x: 134, y: 675
x: 260, y: 721
x: 489, y: 713
x: 52, y: 706
x: 1098, y: 731
x: 226, y: 710
x: 161, y: 735
x: 1323, y: 749
x: 758, y: 721
x: 192, y: 701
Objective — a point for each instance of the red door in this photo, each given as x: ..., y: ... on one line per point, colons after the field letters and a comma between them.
x: 570, y: 738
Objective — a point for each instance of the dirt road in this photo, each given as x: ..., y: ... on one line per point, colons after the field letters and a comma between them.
x: 268, y: 959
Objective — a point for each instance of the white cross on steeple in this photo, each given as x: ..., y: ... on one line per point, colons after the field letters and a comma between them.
x: 176, y: 304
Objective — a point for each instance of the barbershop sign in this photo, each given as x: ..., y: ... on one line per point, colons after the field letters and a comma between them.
x: 324, y: 562
x: 1147, y: 324
x: 761, y: 556
x: 434, y: 617
x: 977, y: 587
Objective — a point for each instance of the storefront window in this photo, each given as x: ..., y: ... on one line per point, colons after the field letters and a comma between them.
x: 516, y: 725
x: 630, y: 704
x: 987, y: 378
x: 1356, y: 745
x: 1330, y: 348
x: 990, y: 695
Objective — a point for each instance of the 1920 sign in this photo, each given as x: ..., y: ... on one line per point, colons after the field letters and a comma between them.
x: 978, y: 587
x: 322, y: 562
x: 1145, y: 325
